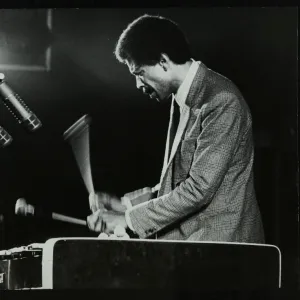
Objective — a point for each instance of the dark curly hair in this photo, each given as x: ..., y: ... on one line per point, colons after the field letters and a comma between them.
x: 147, y: 37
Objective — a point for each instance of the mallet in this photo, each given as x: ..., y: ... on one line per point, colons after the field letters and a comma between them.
x: 23, y: 208
x: 78, y: 137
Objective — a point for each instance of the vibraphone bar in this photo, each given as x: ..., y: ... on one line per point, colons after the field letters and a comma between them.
x: 80, y: 263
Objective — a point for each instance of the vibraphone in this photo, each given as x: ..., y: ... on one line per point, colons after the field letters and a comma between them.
x: 21, y: 267
x: 65, y: 263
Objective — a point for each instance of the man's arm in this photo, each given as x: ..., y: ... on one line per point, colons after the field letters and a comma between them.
x: 223, y: 127
x: 110, y: 209
x: 139, y: 196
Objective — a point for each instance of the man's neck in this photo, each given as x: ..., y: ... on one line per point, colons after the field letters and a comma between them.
x: 180, y: 72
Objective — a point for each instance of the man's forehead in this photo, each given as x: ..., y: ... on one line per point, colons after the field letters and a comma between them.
x: 132, y: 66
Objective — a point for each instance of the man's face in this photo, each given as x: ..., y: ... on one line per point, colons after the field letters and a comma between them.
x: 154, y: 80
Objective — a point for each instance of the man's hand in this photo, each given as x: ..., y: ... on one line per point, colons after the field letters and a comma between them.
x: 94, y: 221
x: 145, y: 193
x: 138, y: 196
x: 106, y: 221
x: 113, y: 219
x: 100, y: 200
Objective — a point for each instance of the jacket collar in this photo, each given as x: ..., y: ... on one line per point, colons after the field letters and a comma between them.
x: 184, y: 88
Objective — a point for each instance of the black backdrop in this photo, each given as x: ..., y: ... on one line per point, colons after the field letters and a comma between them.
x: 256, y: 48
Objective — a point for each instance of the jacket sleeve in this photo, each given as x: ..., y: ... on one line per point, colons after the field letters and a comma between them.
x: 139, y: 196
x: 224, y: 121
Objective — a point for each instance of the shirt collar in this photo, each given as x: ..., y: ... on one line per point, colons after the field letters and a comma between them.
x: 184, y: 88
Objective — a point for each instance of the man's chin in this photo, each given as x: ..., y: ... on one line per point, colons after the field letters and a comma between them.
x: 154, y: 96
x: 157, y: 99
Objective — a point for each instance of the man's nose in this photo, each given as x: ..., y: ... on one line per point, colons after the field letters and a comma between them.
x: 139, y: 83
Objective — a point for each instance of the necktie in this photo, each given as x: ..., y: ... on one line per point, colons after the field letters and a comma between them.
x: 174, y: 125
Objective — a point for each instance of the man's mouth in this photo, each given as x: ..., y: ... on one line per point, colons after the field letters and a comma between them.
x: 153, y: 95
x: 150, y: 92
x: 147, y: 90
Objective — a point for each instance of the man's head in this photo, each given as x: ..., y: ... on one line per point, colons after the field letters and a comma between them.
x: 155, y: 50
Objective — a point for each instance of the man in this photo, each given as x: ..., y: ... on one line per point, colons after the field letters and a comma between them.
x: 206, y: 190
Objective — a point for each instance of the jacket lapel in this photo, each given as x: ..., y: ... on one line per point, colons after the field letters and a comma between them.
x: 196, y: 91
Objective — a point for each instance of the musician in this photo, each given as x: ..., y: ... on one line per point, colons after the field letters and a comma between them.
x: 206, y: 190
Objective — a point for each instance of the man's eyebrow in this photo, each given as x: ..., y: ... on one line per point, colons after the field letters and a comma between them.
x: 136, y: 72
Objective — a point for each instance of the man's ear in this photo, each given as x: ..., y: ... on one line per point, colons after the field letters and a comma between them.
x: 164, y: 61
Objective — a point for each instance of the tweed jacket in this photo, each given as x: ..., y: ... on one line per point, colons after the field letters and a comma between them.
x: 206, y: 190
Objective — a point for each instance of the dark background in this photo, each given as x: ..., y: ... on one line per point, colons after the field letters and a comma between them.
x: 255, y: 47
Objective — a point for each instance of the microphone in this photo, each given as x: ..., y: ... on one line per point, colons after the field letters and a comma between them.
x: 25, y: 209
x: 5, y: 138
x: 17, y: 107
